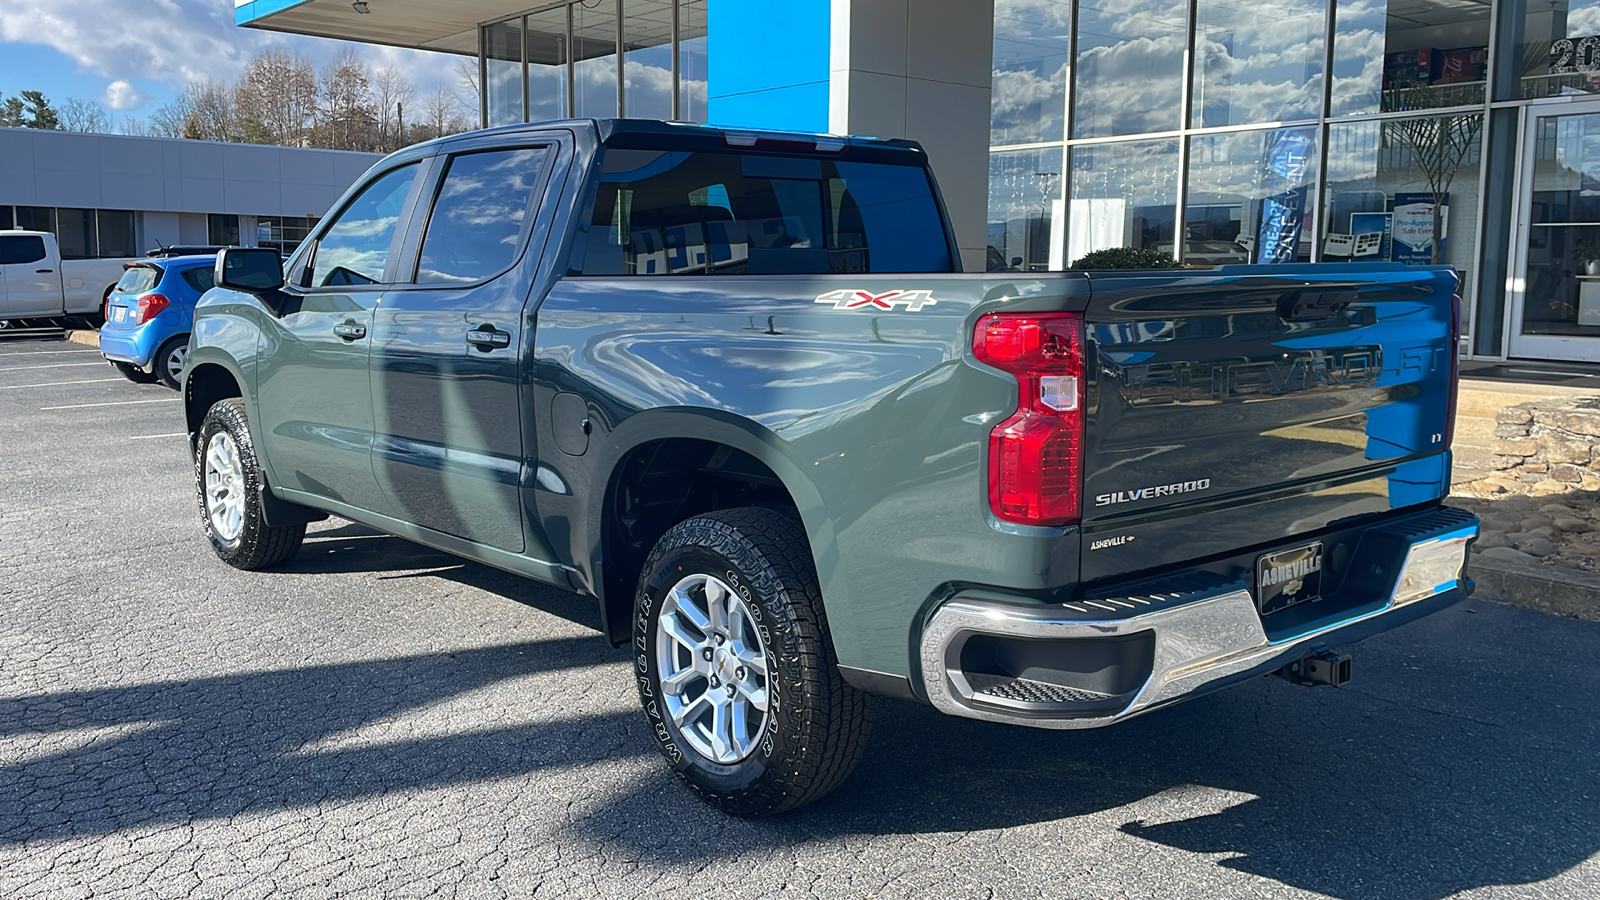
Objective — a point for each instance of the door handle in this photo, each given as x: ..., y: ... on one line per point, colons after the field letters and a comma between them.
x: 43, y: 271
x: 486, y: 337
x: 350, y: 331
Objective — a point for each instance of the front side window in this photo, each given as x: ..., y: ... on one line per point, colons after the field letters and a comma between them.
x: 21, y: 249
x: 355, y: 248
x: 663, y: 212
x: 477, y: 222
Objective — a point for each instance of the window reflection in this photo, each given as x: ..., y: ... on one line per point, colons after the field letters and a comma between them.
x: 1122, y: 195
x: 594, y: 67
x: 1028, y: 97
x: 1250, y: 197
x: 1024, y: 208
x: 502, y: 84
x: 647, y: 59
x: 692, y: 30
x: 355, y: 248
x: 547, y: 60
x: 1259, y: 62
x: 476, y: 224
x: 1560, y: 49
x: 1130, y: 67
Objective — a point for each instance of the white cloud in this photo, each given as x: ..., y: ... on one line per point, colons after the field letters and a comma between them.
x: 122, y: 96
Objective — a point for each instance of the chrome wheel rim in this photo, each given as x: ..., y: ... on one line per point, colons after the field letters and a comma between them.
x: 176, y: 361
x: 713, y: 667
x: 224, y: 487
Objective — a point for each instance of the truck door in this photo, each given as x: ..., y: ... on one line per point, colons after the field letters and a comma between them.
x: 33, y: 286
x: 315, y: 397
x: 448, y: 347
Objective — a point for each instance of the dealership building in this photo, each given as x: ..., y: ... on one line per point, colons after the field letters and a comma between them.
x: 1463, y: 132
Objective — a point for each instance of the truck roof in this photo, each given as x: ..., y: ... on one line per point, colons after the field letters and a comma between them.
x: 733, y: 137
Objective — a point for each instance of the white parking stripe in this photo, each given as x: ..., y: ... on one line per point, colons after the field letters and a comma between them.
x: 49, y: 366
x: 146, y: 437
x: 117, y: 403
x: 16, y: 387
x: 83, y: 349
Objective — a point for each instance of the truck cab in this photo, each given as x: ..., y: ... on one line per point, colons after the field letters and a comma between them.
x: 35, y: 283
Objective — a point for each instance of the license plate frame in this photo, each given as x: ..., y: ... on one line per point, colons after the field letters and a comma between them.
x: 118, y: 314
x: 1286, y: 578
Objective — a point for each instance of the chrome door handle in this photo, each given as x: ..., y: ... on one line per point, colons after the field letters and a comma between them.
x: 487, y: 337
x: 350, y: 331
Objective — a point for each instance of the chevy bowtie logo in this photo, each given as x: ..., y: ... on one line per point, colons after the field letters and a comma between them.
x: 888, y: 300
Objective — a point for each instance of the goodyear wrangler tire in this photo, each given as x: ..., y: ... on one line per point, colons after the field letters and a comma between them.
x: 735, y: 664
x: 228, y: 480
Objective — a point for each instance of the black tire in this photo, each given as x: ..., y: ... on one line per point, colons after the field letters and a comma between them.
x: 815, y: 725
x: 133, y: 373
x: 257, y: 545
x: 175, y: 349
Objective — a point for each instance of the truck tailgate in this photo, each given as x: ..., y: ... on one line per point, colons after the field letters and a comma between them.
x: 1248, y: 405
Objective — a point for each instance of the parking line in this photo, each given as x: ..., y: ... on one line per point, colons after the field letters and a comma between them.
x: 38, y: 352
x: 147, y: 437
x: 117, y: 403
x: 47, y: 366
x: 18, y: 387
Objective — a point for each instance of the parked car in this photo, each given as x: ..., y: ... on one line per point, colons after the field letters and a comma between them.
x: 36, y: 283
x: 148, y: 315
x: 733, y: 386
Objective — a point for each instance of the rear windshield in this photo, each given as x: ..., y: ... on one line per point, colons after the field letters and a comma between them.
x: 138, y: 279
x: 704, y: 213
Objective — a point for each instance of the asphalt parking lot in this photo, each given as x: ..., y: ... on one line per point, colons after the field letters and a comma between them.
x: 378, y: 719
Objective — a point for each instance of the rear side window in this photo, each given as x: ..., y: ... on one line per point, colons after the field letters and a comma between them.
x: 703, y: 213
x: 355, y: 248
x: 201, y: 278
x: 138, y: 279
x: 478, y: 220
x: 21, y: 249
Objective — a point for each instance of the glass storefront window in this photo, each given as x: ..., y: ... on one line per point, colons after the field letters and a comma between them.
x: 502, y: 83
x: 1025, y: 209
x: 1122, y: 195
x: 1430, y: 54
x: 1251, y: 197
x: 1130, y: 68
x: 547, y: 65
x: 594, y: 66
x: 37, y: 218
x: 692, y: 30
x: 1562, y: 293
x: 76, y: 236
x: 1257, y: 63
x: 1029, y: 93
x: 222, y: 231
x: 1558, y: 48
x: 647, y: 59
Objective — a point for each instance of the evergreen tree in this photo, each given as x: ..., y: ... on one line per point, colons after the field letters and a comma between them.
x: 40, y: 114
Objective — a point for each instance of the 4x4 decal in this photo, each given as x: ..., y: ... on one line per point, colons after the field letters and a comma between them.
x: 888, y: 300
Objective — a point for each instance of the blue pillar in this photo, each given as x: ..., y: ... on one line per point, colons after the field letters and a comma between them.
x: 767, y: 64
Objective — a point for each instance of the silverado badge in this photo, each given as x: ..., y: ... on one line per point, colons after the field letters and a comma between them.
x: 888, y: 300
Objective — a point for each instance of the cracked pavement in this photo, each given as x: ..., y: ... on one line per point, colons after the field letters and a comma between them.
x: 380, y: 719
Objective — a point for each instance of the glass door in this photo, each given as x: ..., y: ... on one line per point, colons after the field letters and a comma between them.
x: 1555, y: 301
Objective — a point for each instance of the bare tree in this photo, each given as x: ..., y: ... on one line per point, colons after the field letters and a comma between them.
x: 85, y: 116
x: 345, y: 117
x: 439, y: 114
x: 211, y: 113
x: 169, y: 119
x: 1440, y: 145
x: 133, y: 125
x: 277, y: 96
x: 391, y: 92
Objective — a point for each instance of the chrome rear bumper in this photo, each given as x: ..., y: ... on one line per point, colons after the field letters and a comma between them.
x: 1163, y: 645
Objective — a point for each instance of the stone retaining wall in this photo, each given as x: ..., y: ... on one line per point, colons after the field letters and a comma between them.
x: 1547, y: 447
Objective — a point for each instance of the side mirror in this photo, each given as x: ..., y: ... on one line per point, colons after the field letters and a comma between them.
x: 253, y: 270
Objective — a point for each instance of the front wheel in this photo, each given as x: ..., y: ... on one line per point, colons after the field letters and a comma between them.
x: 228, y: 479
x: 736, y: 668
x: 171, y: 360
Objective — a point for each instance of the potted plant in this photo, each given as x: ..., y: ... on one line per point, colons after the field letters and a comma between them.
x: 1587, y: 250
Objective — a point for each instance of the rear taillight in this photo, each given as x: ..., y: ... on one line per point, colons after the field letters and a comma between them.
x: 1455, y: 370
x: 1036, y: 456
x: 150, y: 306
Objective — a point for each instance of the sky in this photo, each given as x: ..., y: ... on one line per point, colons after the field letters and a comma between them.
x: 133, y: 55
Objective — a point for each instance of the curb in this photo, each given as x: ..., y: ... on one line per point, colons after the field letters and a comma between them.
x: 86, y: 338
x: 1563, y: 592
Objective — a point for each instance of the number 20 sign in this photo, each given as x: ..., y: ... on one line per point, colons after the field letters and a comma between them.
x: 1571, y: 55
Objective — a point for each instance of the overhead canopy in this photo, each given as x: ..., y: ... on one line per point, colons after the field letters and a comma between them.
x: 419, y: 24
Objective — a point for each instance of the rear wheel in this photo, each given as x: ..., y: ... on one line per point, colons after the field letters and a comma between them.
x: 171, y: 360
x: 228, y: 479
x: 133, y: 373
x: 736, y: 667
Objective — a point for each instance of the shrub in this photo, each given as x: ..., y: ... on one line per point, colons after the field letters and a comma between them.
x: 1126, y: 258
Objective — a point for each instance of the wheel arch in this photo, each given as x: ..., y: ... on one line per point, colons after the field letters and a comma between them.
x: 715, y: 461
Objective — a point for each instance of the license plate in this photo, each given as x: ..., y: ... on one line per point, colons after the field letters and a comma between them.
x: 1288, y: 578
x: 118, y: 314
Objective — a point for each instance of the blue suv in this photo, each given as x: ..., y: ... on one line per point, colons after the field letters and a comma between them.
x: 148, y: 315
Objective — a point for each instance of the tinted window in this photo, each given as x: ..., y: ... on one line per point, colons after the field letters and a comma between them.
x: 138, y: 279
x: 676, y: 213
x: 355, y: 248
x: 116, y: 233
x: 201, y: 278
x: 22, y: 249
x: 478, y: 219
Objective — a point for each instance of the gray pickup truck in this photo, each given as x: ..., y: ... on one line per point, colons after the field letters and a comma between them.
x: 733, y: 386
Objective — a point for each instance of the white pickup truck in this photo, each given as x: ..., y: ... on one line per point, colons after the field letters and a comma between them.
x: 36, y: 283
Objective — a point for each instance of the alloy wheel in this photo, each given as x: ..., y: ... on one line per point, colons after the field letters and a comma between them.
x: 713, y: 666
